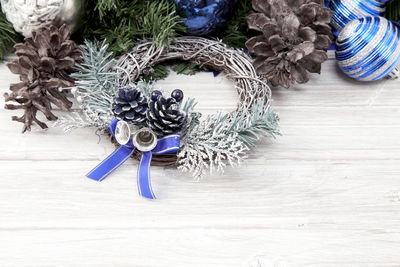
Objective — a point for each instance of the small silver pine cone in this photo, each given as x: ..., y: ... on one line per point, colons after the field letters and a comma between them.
x: 164, y: 116
x: 130, y: 105
x: 295, y: 35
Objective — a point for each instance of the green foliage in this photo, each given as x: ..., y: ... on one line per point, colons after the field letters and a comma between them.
x: 104, y: 6
x: 222, y: 139
x: 236, y: 32
x: 8, y: 36
x: 96, y: 82
x: 122, y: 22
x: 188, y: 68
x: 253, y: 125
x: 393, y: 10
x: 161, y: 71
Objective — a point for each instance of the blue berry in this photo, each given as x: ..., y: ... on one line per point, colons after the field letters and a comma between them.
x: 155, y: 94
x: 177, y: 94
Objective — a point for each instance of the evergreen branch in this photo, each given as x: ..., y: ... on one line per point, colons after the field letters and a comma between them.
x: 223, y: 139
x: 8, y: 36
x: 188, y: 68
x: 96, y: 82
x: 104, y: 6
x: 161, y: 70
x: 237, y: 32
x: 122, y: 22
x: 74, y: 120
x: 209, y: 147
x: 145, y: 88
x: 251, y: 126
x: 393, y: 10
x: 158, y: 72
x: 189, y: 105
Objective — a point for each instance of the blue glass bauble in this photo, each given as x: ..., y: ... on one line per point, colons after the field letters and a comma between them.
x: 327, y: 2
x: 345, y: 11
x: 368, y: 49
x: 204, y: 16
x: 177, y: 94
x: 155, y: 94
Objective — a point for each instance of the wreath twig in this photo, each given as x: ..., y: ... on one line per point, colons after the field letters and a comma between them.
x: 214, y: 54
x: 206, y: 152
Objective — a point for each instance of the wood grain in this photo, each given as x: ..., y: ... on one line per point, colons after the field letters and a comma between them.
x: 326, y: 193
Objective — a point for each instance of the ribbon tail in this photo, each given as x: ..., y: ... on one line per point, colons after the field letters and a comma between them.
x: 143, y: 176
x: 109, y: 164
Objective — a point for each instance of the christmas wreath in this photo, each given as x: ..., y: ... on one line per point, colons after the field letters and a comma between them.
x: 152, y: 127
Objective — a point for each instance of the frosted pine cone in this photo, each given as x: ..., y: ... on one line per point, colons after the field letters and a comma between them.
x: 27, y: 16
x: 163, y: 116
x: 295, y: 37
x: 130, y: 105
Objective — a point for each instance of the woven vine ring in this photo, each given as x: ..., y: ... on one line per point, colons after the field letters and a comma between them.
x: 216, y: 55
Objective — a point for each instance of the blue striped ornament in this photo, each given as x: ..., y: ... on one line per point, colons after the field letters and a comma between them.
x: 368, y: 49
x: 345, y: 11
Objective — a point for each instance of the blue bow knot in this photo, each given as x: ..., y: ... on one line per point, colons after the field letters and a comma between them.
x: 166, y: 144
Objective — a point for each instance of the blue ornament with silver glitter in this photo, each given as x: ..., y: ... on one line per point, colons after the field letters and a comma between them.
x: 204, y: 16
x: 368, y: 49
x: 345, y: 11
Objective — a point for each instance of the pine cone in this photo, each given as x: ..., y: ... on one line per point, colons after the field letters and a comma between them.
x: 163, y: 115
x: 130, y: 105
x: 44, y: 64
x: 295, y: 37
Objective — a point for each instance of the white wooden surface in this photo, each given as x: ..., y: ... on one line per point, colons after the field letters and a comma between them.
x: 326, y: 193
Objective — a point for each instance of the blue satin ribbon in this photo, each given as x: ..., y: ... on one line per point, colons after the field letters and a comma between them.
x: 167, y: 144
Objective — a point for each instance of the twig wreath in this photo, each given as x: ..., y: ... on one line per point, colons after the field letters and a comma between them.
x: 167, y: 131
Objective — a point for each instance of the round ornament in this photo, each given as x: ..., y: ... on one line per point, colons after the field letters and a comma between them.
x: 348, y: 10
x: 29, y: 15
x: 368, y: 49
x: 204, y: 16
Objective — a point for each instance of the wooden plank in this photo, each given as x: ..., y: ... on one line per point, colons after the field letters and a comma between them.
x: 273, y: 194
x: 199, y: 247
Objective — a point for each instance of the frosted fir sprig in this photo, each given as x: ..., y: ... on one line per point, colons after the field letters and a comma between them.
x: 96, y: 82
x: 223, y: 139
x: 75, y: 120
x: 255, y: 124
x: 95, y: 87
x: 208, y: 147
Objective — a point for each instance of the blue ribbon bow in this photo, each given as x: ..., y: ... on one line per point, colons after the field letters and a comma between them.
x: 167, y: 144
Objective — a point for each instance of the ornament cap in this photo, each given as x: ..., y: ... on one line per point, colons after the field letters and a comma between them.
x: 144, y: 139
x: 124, y: 132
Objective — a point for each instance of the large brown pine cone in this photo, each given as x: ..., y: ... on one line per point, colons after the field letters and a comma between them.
x: 295, y: 35
x: 44, y: 64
